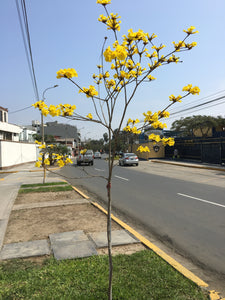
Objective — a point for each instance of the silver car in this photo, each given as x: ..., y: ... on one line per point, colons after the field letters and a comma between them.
x: 128, y: 159
x: 97, y: 155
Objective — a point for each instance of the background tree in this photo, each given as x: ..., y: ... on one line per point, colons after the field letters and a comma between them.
x: 105, y: 137
x: 189, y: 125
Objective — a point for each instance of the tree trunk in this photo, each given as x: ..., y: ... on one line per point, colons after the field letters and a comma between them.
x: 109, y: 227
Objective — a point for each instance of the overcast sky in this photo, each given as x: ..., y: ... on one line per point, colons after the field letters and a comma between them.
x: 66, y: 34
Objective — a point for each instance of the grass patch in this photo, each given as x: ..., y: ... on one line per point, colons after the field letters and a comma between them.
x: 142, y: 275
x: 43, y: 184
x: 46, y: 189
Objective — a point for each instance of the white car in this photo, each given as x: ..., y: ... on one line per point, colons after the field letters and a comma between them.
x: 128, y: 159
x: 97, y: 155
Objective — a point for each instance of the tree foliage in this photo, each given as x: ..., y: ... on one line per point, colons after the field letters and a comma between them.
x: 189, y: 125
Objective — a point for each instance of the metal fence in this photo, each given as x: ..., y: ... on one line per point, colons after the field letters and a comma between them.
x: 208, y: 150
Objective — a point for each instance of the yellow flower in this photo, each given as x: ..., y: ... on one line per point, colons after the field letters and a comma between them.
x: 83, y: 151
x: 90, y: 92
x: 154, y: 137
x: 68, y: 161
x: 103, y: 2
x: 190, y: 30
x: 179, y: 45
x: 150, y: 77
x: 60, y: 163
x: 143, y: 149
x: 89, y: 116
x: 46, y: 162
x: 39, y: 143
x: 42, y: 146
x: 192, y: 90
x: 38, y: 164
x: 175, y: 99
x: 67, y: 73
x: 121, y: 52
x: 109, y: 54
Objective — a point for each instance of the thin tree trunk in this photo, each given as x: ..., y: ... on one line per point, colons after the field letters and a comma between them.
x: 109, y: 228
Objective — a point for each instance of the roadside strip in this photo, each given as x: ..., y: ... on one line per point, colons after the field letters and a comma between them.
x: 213, y: 295
x: 158, y: 251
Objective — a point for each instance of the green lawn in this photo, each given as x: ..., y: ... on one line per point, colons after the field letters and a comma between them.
x: 142, y: 275
x: 43, y: 184
x: 45, y: 189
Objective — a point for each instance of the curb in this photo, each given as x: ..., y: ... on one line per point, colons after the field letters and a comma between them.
x: 188, y: 166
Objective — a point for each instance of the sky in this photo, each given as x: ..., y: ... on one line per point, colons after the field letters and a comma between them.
x: 67, y: 34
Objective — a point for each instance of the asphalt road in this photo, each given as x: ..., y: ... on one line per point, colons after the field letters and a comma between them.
x: 184, y: 212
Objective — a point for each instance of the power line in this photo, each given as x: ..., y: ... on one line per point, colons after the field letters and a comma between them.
x: 15, y: 111
x: 198, y: 105
x: 199, y: 100
x: 27, y: 43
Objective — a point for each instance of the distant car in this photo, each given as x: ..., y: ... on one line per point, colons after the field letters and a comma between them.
x: 86, y: 158
x: 97, y: 155
x: 128, y: 159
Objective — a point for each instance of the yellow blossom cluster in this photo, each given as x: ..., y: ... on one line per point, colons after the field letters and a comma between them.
x: 111, y: 21
x: 90, y: 92
x: 83, y: 151
x: 103, y: 2
x: 174, y: 98
x: 55, y: 110
x: 190, y: 30
x: 133, y: 129
x: 143, y: 149
x: 192, y: 90
x: 89, y: 116
x: 120, y: 53
x: 153, y: 119
x: 67, y: 73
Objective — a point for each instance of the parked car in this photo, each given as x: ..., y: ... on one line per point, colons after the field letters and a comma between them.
x: 97, y: 155
x: 86, y: 158
x: 128, y: 159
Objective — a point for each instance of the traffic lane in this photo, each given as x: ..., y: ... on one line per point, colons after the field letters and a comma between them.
x: 193, y: 226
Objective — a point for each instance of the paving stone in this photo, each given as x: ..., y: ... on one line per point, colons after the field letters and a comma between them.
x: 74, y: 250
x: 69, y: 237
x: 25, y: 249
x: 119, y: 237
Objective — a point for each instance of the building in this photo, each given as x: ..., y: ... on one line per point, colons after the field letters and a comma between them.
x: 9, y: 132
x: 63, y: 133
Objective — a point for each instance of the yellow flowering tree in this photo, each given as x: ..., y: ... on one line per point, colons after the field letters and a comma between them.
x: 125, y: 65
x: 48, y: 155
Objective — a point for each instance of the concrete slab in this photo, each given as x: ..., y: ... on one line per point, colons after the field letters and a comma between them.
x: 25, y: 249
x: 49, y: 204
x: 73, y: 250
x: 69, y: 237
x: 119, y: 237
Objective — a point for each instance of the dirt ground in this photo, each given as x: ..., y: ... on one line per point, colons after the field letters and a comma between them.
x: 39, y: 222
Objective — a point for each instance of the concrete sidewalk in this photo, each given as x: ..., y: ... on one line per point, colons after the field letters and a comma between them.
x: 9, y: 186
x: 190, y: 164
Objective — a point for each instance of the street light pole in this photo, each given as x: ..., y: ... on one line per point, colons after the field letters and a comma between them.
x: 42, y: 129
x: 42, y: 117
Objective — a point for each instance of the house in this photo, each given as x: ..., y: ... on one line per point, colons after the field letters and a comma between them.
x: 9, y: 132
x: 12, y: 151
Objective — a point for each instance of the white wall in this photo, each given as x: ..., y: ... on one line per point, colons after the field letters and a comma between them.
x: 14, y: 153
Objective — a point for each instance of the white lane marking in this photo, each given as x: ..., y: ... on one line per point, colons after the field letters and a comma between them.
x: 121, y: 178
x: 99, y: 170
x: 202, y: 200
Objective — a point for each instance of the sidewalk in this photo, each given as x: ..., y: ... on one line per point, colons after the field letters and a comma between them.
x: 190, y: 164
